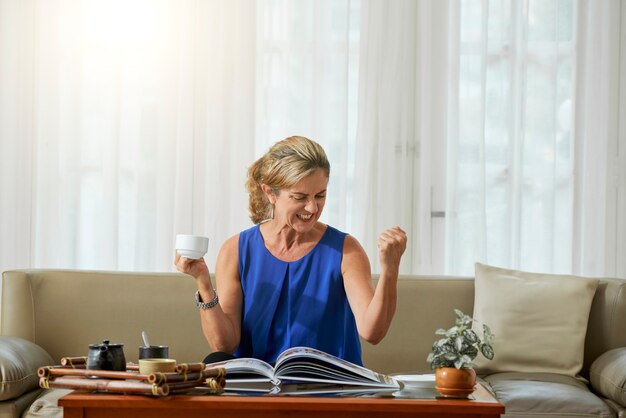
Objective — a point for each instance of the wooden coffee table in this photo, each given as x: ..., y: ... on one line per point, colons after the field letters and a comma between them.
x: 93, y: 405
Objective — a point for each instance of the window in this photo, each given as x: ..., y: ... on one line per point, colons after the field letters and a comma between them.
x: 511, y: 159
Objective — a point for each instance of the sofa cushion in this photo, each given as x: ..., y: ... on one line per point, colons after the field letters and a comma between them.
x: 608, y: 375
x: 13, y: 408
x: 19, y: 361
x: 541, y: 395
x: 539, y: 320
x: 47, y: 405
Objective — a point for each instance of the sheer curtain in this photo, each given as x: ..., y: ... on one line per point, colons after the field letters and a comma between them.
x: 490, y: 130
x: 600, y: 198
x: 386, y: 156
x: 401, y: 124
x: 511, y: 157
x: 123, y: 123
x: 533, y: 128
x: 16, y: 132
x: 307, y: 70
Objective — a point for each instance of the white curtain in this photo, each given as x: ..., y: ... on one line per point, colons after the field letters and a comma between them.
x: 600, y: 198
x: 307, y: 72
x: 533, y: 126
x: 491, y: 130
x: 123, y: 123
x: 510, y: 160
x: 16, y: 132
x: 401, y: 124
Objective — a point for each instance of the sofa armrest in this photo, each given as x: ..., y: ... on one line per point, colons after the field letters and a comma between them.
x: 608, y: 375
x: 19, y: 361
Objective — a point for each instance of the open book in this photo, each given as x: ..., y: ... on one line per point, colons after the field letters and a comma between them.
x: 300, y: 365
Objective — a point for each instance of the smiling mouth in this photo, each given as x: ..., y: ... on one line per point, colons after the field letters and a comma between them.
x: 305, y: 217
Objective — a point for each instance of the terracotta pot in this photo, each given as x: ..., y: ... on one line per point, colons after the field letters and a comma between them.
x: 452, y: 382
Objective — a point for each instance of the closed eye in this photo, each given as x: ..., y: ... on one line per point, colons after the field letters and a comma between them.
x: 302, y: 197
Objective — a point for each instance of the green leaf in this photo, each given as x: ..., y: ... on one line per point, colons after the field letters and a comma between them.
x: 471, y: 336
x: 487, y: 334
x: 462, y: 319
x: 487, y: 351
x: 462, y: 363
x: 471, y: 351
x: 458, y: 343
x: 442, y: 342
x: 466, y: 359
x: 452, y: 331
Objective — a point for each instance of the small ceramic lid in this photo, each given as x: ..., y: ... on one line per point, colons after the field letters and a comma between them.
x: 106, y: 343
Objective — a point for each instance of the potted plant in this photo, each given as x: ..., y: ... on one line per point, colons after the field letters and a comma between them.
x: 453, y: 354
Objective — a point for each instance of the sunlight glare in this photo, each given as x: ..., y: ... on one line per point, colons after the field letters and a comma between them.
x: 119, y: 24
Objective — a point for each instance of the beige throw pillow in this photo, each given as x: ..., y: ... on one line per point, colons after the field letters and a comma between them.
x: 539, y: 320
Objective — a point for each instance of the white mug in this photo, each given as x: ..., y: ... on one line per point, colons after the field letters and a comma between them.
x: 191, y: 246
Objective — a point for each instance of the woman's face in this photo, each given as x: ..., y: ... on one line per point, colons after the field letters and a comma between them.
x: 301, y: 206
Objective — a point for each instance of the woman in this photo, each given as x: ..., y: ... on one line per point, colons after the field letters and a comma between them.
x: 291, y: 280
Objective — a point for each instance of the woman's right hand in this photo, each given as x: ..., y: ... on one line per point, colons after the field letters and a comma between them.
x: 190, y: 266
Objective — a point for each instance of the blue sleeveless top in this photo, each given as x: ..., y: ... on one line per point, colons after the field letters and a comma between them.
x: 296, y: 303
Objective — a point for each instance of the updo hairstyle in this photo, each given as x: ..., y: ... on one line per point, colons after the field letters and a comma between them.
x: 285, y: 164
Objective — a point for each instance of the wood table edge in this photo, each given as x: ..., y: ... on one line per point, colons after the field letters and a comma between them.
x: 484, y: 402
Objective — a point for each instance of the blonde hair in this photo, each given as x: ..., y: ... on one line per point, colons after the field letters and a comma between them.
x: 286, y: 163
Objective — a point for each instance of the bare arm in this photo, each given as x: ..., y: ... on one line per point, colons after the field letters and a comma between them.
x: 221, y: 324
x: 373, y: 308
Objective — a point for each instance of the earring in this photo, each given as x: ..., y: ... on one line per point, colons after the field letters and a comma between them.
x: 272, y: 211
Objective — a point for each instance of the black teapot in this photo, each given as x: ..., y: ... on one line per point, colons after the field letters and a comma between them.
x: 106, y: 356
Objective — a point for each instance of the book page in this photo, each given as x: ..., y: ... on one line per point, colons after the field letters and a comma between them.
x: 295, y: 389
x: 247, y: 370
x: 239, y: 385
x: 308, y: 364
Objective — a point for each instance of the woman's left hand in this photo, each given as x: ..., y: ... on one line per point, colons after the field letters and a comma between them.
x: 391, y: 245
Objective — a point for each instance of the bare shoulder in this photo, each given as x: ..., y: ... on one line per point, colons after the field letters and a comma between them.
x: 351, y: 245
x: 354, y: 257
x: 231, y: 245
x: 228, y: 256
